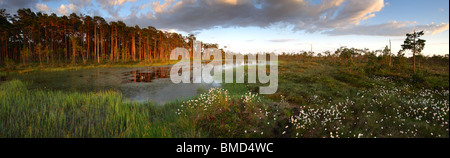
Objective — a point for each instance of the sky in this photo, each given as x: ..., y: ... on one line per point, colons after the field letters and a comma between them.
x: 251, y: 26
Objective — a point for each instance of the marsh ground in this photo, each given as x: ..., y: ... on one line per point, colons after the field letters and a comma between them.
x: 316, y: 98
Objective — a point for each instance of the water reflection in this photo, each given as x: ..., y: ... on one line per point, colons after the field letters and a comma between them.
x: 147, y: 74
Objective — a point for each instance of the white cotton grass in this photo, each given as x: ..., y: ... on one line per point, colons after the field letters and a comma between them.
x: 350, y: 117
x: 419, y: 105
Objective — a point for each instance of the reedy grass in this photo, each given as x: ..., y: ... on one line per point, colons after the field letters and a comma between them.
x: 43, y: 114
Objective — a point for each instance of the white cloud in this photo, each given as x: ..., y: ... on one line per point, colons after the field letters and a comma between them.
x: 192, y: 15
x: 113, y: 6
x: 73, y: 8
x: 353, y: 12
x: 435, y: 29
x: 332, y: 17
x: 80, y: 2
x: 42, y: 7
x: 113, y: 2
x: 392, y: 28
x: 63, y: 10
x: 159, y: 8
x: 229, y: 2
x: 283, y: 40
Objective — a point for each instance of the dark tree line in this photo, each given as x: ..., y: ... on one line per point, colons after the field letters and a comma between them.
x: 37, y: 37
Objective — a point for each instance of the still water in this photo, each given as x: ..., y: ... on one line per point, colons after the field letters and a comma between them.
x: 144, y: 84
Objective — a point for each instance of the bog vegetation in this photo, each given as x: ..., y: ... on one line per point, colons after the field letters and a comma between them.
x: 347, y: 93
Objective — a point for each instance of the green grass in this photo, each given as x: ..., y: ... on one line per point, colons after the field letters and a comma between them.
x: 43, y: 114
x: 20, y: 68
x: 328, y: 101
x: 314, y: 99
x: 37, y: 113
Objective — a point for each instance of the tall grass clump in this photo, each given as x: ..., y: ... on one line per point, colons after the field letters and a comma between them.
x: 44, y: 114
x: 220, y: 114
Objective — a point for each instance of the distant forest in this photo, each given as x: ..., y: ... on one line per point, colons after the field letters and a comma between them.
x: 28, y: 37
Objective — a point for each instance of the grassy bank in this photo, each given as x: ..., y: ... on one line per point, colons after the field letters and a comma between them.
x: 20, y: 68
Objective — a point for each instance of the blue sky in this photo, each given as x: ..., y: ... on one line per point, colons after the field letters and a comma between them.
x: 280, y: 26
x: 425, y: 12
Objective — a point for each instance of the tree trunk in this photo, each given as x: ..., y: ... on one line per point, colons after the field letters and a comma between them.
x: 74, y: 42
x: 88, y: 51
x: 148, y: 49
x: 112, y: 46
x: 133, y: 46
x: 102, y: 46
x: 66, y: 54
x: 140, y: 48
x: 160, y: 46
x: 116, y: 51
x: 154, y: 50
x: 83, y: 56
x: 96, y: 44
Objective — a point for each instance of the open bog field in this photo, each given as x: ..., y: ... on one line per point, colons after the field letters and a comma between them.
x: 316, y: 98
